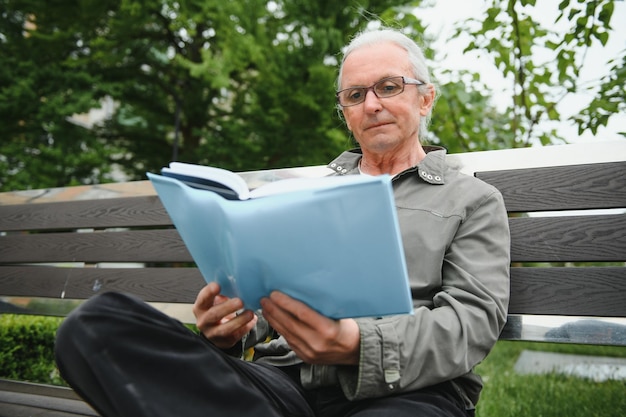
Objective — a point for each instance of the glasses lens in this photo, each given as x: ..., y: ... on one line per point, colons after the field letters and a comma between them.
x: 352, y: 96
x: 389, y: 87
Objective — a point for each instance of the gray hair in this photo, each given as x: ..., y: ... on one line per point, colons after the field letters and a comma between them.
x: 415, y: 54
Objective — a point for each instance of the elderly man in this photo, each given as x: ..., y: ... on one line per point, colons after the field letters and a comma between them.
x: 127, y: 359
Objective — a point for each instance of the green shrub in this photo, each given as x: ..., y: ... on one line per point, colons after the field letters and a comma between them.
x: 27, y: 348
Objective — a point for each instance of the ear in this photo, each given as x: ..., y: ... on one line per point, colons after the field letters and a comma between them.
x: 428, y: 100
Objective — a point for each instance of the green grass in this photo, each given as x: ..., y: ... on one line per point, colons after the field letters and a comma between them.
x: 508, y: 394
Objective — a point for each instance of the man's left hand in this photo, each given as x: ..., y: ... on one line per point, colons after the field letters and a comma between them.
x: 316, y: 339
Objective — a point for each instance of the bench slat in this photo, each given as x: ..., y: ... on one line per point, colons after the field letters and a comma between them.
x: 558, y: 290
x: 534, y: 239
x: 109, y: 246
x: 577, y: 187
x: 25, y: 405
x: 176, y: 285
x: 28, y: 399
x: 32, y: 388
x: 586, y: 291
x: 593, y: 238
x: 101, y: 213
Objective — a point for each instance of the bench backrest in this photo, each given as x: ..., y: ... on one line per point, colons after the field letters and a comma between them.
x: 568, y: 229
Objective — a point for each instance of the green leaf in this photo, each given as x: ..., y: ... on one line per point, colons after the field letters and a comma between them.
x: 606, y: 13
x: 603, y: 37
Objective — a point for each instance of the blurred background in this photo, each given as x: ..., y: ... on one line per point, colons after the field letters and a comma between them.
x: 96, y: 91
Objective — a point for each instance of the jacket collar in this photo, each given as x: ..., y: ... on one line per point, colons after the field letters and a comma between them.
x: 431, y: 169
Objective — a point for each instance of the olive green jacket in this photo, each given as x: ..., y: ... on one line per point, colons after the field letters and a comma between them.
x: 456, y: 242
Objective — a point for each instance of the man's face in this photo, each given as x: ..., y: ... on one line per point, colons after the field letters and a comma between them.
x: 387, y: 124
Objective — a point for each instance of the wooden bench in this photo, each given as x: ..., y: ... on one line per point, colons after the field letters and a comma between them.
x: 567, y: 209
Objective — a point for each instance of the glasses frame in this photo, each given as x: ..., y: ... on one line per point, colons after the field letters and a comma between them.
x: 372, y: 88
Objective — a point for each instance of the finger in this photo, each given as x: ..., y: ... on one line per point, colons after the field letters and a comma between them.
x: 300, y: 311
x: 206, y: 297
x: 249, y: 320
x: 211, y: 307
x: 221, y: 312
x: 296, y: 334
x: 283, y: 321
x: 226, y: 327
x: 219, y: 299
x: 227, y: 334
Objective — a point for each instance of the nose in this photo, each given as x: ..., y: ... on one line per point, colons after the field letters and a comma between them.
x: 372, y: 102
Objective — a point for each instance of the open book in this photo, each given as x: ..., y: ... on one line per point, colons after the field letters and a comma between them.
x: 233, y: 187
x: 332, y: 242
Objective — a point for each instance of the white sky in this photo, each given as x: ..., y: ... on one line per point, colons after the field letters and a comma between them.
x: 443, y: 16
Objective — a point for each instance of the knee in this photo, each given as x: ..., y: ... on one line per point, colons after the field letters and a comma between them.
x: 107, y: 302
x: 97, y: 311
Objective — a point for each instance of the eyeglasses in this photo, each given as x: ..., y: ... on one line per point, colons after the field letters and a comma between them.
x: 387, y: 87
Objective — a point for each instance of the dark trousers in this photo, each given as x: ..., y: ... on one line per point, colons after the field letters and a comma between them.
x: 127, y: 359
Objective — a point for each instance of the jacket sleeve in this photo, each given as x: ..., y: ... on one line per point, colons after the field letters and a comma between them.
x: 455, y: 328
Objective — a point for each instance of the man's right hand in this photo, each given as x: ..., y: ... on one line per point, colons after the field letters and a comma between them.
x: 217, y: 318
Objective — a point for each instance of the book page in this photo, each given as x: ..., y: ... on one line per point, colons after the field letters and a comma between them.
x: 223, y: 181
x: 228, y: 178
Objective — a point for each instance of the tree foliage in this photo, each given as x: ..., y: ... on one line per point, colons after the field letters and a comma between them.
x: 40, y: 88
x: 249, y: 84
x: 511, y: 35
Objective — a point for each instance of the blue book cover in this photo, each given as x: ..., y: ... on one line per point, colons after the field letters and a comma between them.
x: 333, y: 243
